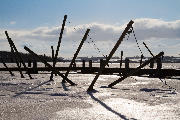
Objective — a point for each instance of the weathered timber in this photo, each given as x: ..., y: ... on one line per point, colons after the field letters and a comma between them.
x: 35, y: 71
x: 58, y: 46
x: 48, y: 65
x: 7, y: 67
x: 129, y: 25
x: 141, y: 59
x: 17, y: 53
x: 77, y: 52
x: 12, y: 51
x: 121, y: 59
x: 136, y: 70
x: 148, y: 49
x: 90, y: 63
x: 94, y: 70
x: 51, y: 77
x: 127, y: 63
x: 60, y: 37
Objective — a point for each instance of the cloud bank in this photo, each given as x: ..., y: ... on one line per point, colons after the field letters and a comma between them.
x: 160, y: 35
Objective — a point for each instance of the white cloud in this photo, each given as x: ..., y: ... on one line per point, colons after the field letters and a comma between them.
x: 155, y: 32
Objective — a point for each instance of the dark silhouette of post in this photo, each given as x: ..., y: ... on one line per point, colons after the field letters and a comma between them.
x: 151, y: 64
x: 136, y: 70
x: 90, y: 63
x: 58, y: 46
x: 159, y: 63
x: 17, y: 53
x: 129, y: 25
x: 141, y: 59
x: 29, y: 63
x: 12, y: 51
x: 76, y: 53
x: 48, y: 65
x: 51, y: 77
x: 35, y: 71
x: 121, y: 59
x: 83, y: 63
x: 148, y: 49
x: 127, y: 63
x: 7, y: 67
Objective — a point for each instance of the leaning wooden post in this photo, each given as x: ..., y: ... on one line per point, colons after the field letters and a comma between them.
x: 17, y: 53
x: 136, y: 70
x: 121, y: 59
x: 48, y: 65
x: 77, y: 52
x: 59, y: 42
x: 7, y: 67
x: 148, y: 49
x: 12, y: 51
x: 110, y: 54
x: 141, y: 59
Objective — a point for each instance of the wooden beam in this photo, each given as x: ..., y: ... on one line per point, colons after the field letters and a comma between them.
x: 48, y: 65
x: 17, y: 53
x: 7, y: 67
x: 76, y: 53
x: 58, y: 46
x: 136, y: 70
x: 129, y: 25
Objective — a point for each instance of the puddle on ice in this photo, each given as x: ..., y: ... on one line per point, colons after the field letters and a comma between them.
x: 118, y: 108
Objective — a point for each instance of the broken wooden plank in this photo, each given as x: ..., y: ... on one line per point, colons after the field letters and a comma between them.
x: 17, y: 53
x: 121, y: 59
x: 136, y: 70
x: 148, y: 49
x: 48, y: 65
x: 58, y: 46
x: 77, y: 52
x: 129, y: 25
x: 7, y: 67
x: 12, y: 51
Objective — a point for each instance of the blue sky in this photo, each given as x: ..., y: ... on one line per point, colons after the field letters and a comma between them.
x: 23, y: 18
x: 33, y: 13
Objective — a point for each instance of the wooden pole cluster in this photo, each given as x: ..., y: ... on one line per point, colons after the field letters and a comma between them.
x: 76, y: 53
x: 7, y: 67
x: 136, y: 70
x: 17, y: 54
x: 58, y: 46
x: 100, y: 70
x: 129, y: 25
x: 48, y: 65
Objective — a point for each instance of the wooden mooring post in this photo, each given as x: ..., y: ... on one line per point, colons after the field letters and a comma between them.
x: 90, y: 63
x: 7, y: 67
x: 141, y: 59
x: 48, y: 65
x: 12, y: 51
x: 35, y: 71
x: 126, y: 63
x: 58, y: 46
x: 29, y: 63
x: 121, y: 59
x: 77, y: 52
x: 17, y: 53
x: 129, y: 25
x: 136, y: 70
